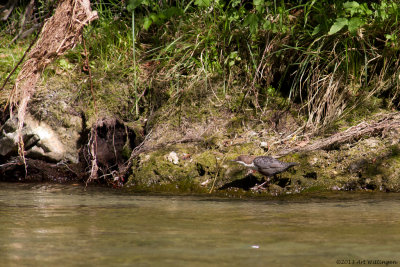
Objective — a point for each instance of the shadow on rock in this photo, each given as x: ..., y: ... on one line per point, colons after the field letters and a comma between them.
x: 39, y: 171
x: 246, y: 183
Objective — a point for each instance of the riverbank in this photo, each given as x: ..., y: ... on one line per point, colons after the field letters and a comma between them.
x: 171, y: 114
x: 189, y: 147
x: 190, y: 150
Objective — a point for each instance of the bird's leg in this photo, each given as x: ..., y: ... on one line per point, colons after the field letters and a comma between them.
x: 261, y: 186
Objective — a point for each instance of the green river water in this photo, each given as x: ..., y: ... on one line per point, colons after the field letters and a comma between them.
x: 65, y: 225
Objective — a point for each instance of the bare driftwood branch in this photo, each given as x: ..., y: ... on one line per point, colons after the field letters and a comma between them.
x: 350, y: 135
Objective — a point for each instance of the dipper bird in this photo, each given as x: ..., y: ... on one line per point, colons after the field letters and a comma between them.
x: 265, y: 165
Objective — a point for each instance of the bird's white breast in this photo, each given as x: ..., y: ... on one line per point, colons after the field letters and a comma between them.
x: 251, y: 165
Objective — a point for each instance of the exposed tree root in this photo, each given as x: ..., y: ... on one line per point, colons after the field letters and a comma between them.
x: 108, y: 141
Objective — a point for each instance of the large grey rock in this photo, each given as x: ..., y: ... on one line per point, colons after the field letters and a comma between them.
x: 41, y: 141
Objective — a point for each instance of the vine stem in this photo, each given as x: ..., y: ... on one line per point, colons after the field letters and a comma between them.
x: 134, y: 65
x: 93, y: 138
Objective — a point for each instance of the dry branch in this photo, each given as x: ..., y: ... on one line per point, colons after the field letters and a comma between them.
x: 350, y: 135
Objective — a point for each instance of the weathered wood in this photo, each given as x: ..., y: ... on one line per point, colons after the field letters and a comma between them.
x: 352, y: 134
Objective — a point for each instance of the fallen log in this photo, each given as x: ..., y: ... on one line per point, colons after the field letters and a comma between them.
x: 352, y: 134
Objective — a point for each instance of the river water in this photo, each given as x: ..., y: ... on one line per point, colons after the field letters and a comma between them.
x: 66, y: 225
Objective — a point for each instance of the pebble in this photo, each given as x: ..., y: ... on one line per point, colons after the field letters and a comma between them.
x: 173, y: 157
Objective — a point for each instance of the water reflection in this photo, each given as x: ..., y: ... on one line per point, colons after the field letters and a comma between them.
x: 53, y: 225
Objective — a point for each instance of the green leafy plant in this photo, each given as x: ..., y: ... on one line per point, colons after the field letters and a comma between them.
x: 354, y: 15
x: 325, y: 56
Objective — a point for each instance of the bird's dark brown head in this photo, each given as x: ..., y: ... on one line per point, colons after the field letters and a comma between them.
x: 245, y: 158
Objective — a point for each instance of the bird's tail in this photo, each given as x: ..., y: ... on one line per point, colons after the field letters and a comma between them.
x: 290, y: 164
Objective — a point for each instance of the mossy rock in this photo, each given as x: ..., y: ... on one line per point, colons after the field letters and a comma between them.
x: 323, y: 170
x: 154, y: 168
x: 206, y: 162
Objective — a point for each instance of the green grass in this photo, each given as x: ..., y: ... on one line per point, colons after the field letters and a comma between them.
x: 326, y: 58
x: 10, y: 55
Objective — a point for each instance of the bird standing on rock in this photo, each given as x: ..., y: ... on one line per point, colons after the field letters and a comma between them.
x: 265, y: 165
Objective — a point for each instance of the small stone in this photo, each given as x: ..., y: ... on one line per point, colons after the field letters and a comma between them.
x: 206, y: 182
x: 372, y: 143
x: 173, y: 157
x: 252, y: 133
x: 313, y: 161
x: 264, y: 144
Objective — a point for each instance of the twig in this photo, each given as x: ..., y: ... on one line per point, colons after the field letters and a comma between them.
x: 93, y: 134
x: 5, y: 165
x: 39, y: 26
x: 290, y: 135
x: 218, y: 168
x: 15, y: 68
x: 135, y: 152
